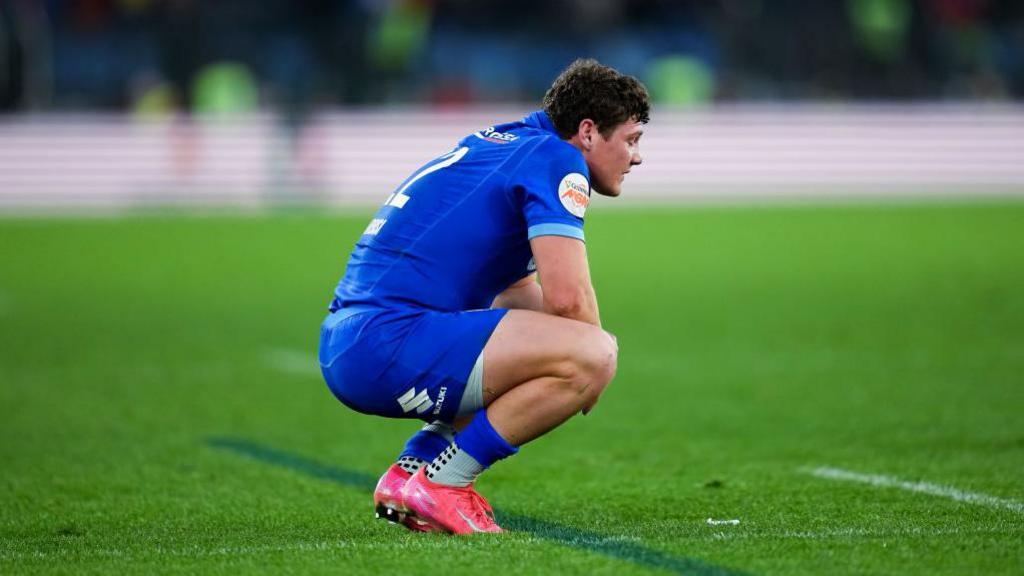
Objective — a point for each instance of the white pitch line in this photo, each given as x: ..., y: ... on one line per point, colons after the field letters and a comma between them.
x: 855, y: 533
x: 292, y: 362
x: 920, y: 487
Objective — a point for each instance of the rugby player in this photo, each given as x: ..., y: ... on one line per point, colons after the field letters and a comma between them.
x: 440, y: 315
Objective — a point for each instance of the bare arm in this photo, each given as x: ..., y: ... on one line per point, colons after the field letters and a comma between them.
x: 523, y: 295
x: 565, y: 278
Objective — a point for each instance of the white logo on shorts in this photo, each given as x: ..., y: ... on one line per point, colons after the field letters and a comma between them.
x: 440, y: 399
x: 421, y: 402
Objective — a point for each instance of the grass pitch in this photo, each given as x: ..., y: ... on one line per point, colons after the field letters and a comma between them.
x: 161, y: 411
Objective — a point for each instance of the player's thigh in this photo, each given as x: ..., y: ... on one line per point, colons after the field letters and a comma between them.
x: 527, y: 345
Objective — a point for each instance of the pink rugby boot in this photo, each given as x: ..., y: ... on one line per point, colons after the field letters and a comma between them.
x: 447, y: 508
x: 387, y: 500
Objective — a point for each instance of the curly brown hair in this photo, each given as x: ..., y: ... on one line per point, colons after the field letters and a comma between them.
x: 588, y: 89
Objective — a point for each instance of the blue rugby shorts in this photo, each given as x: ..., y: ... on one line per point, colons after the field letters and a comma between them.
x: 404, y: 363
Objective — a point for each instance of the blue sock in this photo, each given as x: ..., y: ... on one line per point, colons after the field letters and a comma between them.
x: 426, y: 444
x: 481, y: 441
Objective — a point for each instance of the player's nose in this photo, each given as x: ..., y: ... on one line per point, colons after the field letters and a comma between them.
x: 636, y: 160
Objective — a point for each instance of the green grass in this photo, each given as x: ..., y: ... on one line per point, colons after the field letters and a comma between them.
x: 755, y: 343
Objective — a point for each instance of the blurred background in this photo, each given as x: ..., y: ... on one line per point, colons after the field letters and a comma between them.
x: 114, y: 103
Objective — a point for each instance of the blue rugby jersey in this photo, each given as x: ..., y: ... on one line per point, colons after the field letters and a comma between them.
x: 456, y: 233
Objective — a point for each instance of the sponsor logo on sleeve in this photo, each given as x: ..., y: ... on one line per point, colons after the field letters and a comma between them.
x: 574, y: 193
x: 492, y: 135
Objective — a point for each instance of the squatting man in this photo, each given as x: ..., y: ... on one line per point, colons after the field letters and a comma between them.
x: 440, y: 315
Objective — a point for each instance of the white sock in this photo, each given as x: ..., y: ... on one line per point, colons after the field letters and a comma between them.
x: 411, y: 464
x: 454, y: 467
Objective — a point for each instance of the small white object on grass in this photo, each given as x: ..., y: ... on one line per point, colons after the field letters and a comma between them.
x: 733, y: 522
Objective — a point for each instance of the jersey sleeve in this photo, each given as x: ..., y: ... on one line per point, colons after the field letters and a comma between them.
x: 552, y: 186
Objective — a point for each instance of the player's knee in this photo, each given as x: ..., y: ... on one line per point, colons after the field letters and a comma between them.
x: 606, y: 360
x: 608, y: 364
x: 596, y: 364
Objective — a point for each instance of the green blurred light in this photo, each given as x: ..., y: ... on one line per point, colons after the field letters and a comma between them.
x: 880, y: 25
x: 401, y: 34
x: 681, y: 80
x: 224, y: 88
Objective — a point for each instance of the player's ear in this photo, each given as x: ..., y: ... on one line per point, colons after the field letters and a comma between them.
x: 586, y: 133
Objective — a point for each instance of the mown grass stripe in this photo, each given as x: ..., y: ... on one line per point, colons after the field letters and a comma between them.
x: 292, y: 362
x: 565, y: 535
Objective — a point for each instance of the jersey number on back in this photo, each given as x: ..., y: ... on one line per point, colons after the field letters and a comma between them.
x: 399, y: 198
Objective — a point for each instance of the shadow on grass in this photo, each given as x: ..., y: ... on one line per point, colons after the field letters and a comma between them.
x: 565, y: 535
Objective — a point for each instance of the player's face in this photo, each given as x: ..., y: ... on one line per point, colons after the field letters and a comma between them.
x: 610, y: 159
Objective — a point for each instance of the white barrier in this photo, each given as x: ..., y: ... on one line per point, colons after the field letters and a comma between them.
x: 359, y: 156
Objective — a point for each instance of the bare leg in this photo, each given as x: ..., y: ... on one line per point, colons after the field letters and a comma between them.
x: 540, y: 370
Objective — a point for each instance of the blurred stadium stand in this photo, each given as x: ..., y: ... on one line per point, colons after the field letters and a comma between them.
x: 348, y: 157
x: 232, y: 102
